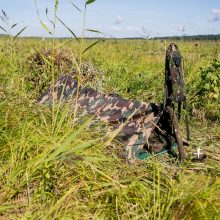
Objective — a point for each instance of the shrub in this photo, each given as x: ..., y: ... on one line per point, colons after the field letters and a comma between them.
x: 209, y: 87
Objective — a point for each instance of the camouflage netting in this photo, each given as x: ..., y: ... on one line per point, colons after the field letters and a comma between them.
x: 40, y: 65
x: 41, y: 60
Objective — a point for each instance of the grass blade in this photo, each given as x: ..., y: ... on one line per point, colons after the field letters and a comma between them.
x: 41, y: 22
x: 56, y: 5
x: 14, y: 25
x: 19, y: 32
x: 4, y: 20
x: 3, y: 29
x: 91, y: 45
x: 94, y: 31
x: 3, y: 12
x: 49, y: 18
x: 68, y: 28
x: 75, y: 6
x: 45, y: 27
x: 4, y: 208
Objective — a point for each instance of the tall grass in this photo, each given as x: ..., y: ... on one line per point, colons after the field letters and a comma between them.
x: 71, y: 173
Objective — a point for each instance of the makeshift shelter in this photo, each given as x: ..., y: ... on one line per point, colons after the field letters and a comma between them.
x: 145, y: 127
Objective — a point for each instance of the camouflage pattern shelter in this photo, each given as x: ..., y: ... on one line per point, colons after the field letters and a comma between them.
x: 143, y: 126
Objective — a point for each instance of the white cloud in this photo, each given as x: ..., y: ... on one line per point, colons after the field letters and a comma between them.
x: 118, y: 20
x: 114, y: 28
x: 216, y: 15
x: 131, y: 28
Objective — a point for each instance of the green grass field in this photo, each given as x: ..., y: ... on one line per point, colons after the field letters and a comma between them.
x: 54, y: 167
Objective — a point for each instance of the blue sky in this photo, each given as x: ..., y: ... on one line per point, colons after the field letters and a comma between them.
x: 119, y: 18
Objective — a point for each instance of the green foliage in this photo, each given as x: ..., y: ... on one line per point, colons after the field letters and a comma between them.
x: 208, y: 96
x: 210, y: 81
x: 89, y: 2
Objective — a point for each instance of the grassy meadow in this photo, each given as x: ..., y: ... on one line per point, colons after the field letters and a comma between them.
x: 54, y: 166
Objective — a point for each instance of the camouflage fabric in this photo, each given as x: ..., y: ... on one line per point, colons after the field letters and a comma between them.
x: 139, y: 122
x: 174, y: 83
x: 174, y: 76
